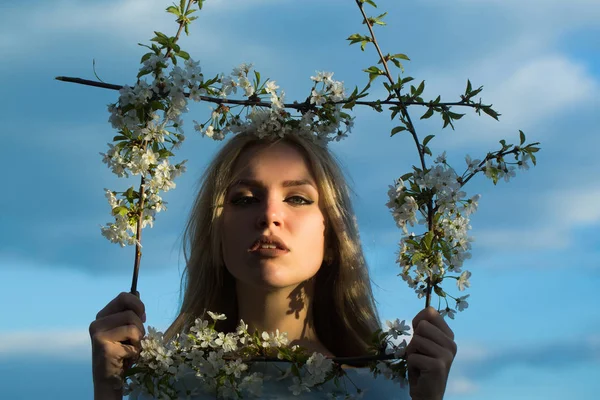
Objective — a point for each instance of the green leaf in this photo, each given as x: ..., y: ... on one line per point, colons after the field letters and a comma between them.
x: 522, y: 137
x: 119, y: 137
x: 398, y: 129
x: 427, y: 139
x: 173, y: 10
x: 469, y: 88
x: 157, y: 105
x: 490, y: 112
x: 439, y: 291
x: 402, y: 56
x: 161, y: 35
x: 397, y: 64
x: 129, y: 193
x: 370, y: 2
x: 455, y: 116
x: 406, y: 176
x: 427, y: 240
x: 184, y: 54
x: 143, y: 72
x: 120, y: 210
x: 428, y: 114
x: 257, y: 75
x: 146, y: 57
x: 374, y: 72
x: 532, y: 158
x: 182, y: 5
x: 420, y: 89
x: 349, y: 105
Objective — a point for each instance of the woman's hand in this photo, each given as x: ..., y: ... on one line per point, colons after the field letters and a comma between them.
x: 116, y: 335
x: 429, y: 355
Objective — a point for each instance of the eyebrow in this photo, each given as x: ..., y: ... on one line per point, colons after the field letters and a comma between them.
x: 259, y: 184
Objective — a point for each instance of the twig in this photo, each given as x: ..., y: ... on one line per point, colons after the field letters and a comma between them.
x: 296, y: 105
x: 410, y: 127
x: 138, y: 238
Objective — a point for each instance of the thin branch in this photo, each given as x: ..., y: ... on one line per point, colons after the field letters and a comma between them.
x: 411, y: 129
x: 340, y: 360
x: 296, y: 105
x: 138, y: 237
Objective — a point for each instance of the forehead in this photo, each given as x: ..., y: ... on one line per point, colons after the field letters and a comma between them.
x: 280, y: 161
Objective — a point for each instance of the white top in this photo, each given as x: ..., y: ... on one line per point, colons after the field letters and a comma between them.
x: 378, y: 388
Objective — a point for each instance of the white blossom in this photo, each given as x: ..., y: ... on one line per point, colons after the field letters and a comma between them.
x: 322, y: 76
x: 461, y: 302
x: 463, y: 280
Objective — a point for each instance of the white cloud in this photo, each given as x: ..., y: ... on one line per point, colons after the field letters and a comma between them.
x: 461, y: 386
x: 542, y: 88
x: 117, y: 23
x: 578, y: 206
x: 531, y: 90
x: 538, y: 15
x: 562, y: 211
x: 73, y: 344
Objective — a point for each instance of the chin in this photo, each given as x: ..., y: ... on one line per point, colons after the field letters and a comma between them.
x: 269, y: 274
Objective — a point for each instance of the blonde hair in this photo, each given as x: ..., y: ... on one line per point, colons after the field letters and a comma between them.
x: 344, y: 312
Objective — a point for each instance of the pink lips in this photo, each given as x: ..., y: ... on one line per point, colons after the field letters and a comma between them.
x: 272, y: 240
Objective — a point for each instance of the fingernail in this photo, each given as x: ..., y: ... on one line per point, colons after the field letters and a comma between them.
x: 144, y: 317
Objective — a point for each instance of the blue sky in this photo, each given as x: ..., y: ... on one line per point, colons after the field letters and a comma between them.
x: 531, y: 330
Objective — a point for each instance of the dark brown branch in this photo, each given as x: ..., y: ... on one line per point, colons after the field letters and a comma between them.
x: 340, y: 360
x: 297, y: 106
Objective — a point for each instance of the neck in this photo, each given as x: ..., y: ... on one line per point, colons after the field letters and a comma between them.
x: 289, y: 310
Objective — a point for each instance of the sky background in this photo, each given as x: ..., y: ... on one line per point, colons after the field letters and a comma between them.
x: 531, y: 330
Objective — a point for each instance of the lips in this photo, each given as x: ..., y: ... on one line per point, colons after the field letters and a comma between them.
x: 272, y: 240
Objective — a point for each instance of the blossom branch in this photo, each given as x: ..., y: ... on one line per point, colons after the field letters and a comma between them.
x: 138, y: 237
x: 410, y: 128
x: 295, y: 105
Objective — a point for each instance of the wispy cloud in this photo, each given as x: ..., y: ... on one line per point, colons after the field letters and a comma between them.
x: 49, y: 24
x: 560, y: 213
x: 461, y: 386
x: 71, y: 344
x: 481, y: 362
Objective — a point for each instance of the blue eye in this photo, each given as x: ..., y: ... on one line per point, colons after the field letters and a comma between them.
x: 302, y: 200
x: 246, y: 200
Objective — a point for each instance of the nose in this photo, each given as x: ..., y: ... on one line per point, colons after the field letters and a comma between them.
x: 270, y: 215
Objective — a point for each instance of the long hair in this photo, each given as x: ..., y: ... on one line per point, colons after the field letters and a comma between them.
x: 344, y: 312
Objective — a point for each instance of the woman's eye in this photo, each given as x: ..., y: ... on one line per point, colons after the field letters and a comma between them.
x: 246, y: 200
x: 297, y: 200
x: 243, y: 200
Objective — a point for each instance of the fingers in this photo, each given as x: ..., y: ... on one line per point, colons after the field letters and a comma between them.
x: 110, y: 322
x: 431, y: 315
x: 429, y: 331
x: 124, y: 301
x: 426, y: 347
x: 421, y: 364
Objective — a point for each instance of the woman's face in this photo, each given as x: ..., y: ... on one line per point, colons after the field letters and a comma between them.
x: 274, y: 195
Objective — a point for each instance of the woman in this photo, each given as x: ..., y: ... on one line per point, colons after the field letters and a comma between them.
x: 272, y: 240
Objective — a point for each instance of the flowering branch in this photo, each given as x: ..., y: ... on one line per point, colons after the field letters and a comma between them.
x: 138, y: 244
x: 296, y: 106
